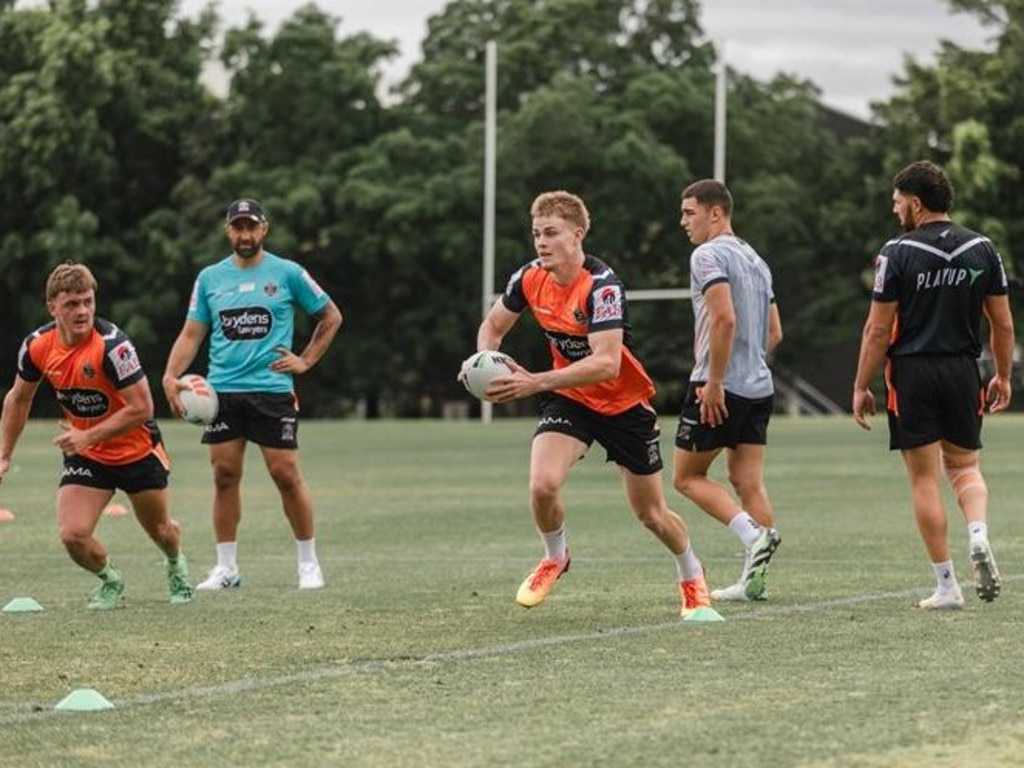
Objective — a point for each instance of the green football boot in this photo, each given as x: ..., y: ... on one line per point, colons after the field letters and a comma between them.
x: 110, y: 593
x: 177, y: 581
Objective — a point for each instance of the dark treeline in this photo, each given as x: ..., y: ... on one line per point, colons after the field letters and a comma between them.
x: 113, y: 152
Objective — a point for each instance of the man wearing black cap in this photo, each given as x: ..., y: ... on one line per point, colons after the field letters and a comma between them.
x: 247, y: 302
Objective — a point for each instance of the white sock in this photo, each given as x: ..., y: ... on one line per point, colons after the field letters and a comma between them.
x: 945, y: 576
x: 227, y: 555
x: 555, y: 544
x: 307, y: 550
x: 746, y: 528
x: 978, y: 531
x: 687, y: 565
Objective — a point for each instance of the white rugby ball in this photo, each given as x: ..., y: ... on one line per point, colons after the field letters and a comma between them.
x: 199, y: 401
x: 480, y: 369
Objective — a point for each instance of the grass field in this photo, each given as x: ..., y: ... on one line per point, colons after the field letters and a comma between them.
x: 416, y: 655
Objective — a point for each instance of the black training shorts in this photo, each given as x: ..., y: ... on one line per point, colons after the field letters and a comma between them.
x: 147, y: 474
x: 933, y: 398
x: 270, y: 419
x: 746, y: 424
x: 630, y: 438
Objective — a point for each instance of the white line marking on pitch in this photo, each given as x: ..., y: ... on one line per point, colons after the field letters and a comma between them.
x: 248, y: 684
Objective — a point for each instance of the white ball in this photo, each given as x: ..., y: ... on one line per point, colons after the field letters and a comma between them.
x: 480, y: 369
x: 200, y: 402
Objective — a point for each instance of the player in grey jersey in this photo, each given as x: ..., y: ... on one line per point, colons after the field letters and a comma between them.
x: 729, y: 399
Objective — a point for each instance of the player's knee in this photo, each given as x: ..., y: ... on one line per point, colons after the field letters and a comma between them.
x: 686, y: 484
x: 964, y: 478
x: 72, y: 536
x: 543, y: 490
x: 286, y: 477
x: 226, y: 476
x: 653, y: 517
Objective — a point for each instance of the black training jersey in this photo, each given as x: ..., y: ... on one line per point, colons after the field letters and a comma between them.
x: 939, y: 274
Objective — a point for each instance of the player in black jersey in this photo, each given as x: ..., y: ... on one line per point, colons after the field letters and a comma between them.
x: 932, y: 285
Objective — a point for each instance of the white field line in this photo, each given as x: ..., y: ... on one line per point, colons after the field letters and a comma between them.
x: 359, y: 666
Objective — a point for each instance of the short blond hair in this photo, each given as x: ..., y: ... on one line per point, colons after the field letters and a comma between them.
x: 564, y: 205
x: 69, y: 278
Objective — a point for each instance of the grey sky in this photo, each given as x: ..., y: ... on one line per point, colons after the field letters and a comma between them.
x: 850, y: 48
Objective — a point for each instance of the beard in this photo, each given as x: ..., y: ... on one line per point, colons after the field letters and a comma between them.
x: 249, y: 248
x: 908, y: 221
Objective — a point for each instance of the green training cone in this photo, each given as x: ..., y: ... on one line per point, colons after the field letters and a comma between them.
x: 22, y: 605
x: 703, y: 616
x: 84, y: 700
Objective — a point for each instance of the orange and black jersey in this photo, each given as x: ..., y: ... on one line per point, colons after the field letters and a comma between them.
x: 594, y: 301
x: 939, y: 274
x: 88, y: 379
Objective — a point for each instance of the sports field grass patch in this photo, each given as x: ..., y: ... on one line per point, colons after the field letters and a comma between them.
x: 416, y: 655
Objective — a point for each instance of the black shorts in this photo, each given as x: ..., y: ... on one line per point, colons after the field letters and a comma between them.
x: 146, y: 474
x: 934, y: 398
x: 270, y: 419
x: 747, y: 423
x: 630, y: 438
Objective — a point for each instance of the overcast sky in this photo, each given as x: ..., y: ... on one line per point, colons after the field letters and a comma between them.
x: 849, y: 48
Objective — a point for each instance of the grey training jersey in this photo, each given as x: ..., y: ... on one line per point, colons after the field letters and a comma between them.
x: 729, y: 259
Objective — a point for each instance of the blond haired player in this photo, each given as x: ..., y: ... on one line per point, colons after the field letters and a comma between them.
x: 597, y: 390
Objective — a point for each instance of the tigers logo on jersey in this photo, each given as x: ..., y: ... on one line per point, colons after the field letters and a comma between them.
x: 125, y: 360
x: 607, y: 304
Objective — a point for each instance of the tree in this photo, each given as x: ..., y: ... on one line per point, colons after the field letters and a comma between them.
x: 304, y: 94
x: 97, y: 101
x: 965, y: 111
x: 577, y: 79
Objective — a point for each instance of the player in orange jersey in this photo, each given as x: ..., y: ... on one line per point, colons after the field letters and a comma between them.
x: 596, y: 390
x: 108, y: 438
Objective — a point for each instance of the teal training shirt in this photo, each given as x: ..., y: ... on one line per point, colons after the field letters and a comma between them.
x: 249, y: 313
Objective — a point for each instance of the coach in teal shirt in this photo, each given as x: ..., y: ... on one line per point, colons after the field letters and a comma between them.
x: 250, y: 311
x: 247, y: 303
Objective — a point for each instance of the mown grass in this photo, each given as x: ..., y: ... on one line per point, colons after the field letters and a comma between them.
x: 415, y: 654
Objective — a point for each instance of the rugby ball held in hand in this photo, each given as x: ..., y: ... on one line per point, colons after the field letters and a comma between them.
x: 200, y: 401
x: 480, y: 369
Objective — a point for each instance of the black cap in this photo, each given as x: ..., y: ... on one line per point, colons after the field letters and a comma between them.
x: 246, y: 208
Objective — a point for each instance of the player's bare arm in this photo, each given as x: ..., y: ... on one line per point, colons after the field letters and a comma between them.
x: 328, y: 322
x: 1001, y: 342
x: 722, y: 330
x: 137, y: 410
x: 17, y: 406
x: 495, y: 326
x: 873, y: 346
x: 600, y: 365
x: 774, y: 328
x: 183, y: 352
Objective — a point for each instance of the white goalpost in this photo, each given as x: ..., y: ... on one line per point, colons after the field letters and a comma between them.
x: 488, y: 295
